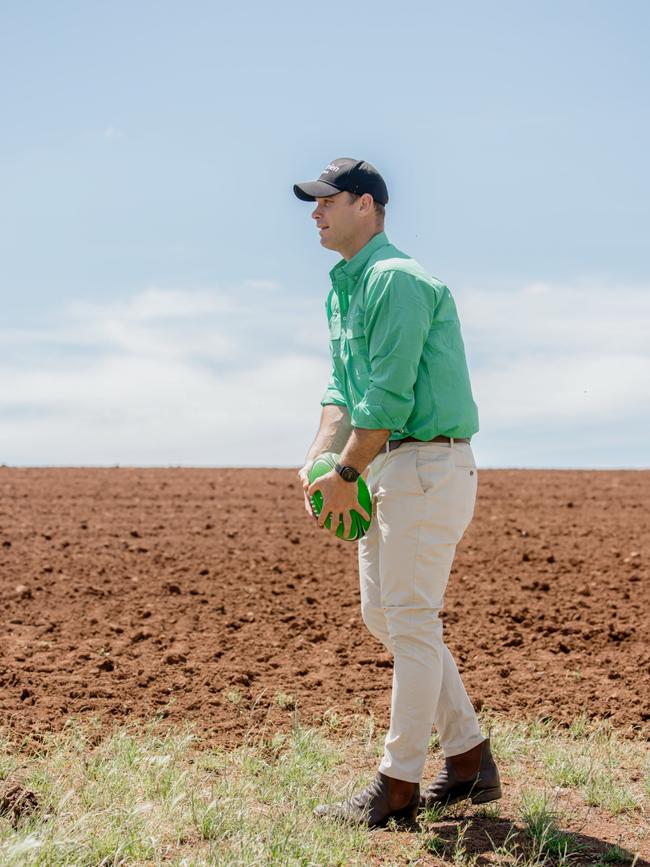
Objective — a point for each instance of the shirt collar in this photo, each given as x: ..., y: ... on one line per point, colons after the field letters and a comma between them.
x: 358, y: 262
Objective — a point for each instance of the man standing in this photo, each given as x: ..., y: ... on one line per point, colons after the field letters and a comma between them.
x: 399, y: 400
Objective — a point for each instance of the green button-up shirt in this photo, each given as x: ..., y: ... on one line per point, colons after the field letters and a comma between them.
x: 398, y: 359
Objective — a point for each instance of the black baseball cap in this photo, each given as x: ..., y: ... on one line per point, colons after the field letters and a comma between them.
x: 355, y: 176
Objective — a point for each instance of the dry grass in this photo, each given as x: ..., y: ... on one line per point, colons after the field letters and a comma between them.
x: 148, y: 795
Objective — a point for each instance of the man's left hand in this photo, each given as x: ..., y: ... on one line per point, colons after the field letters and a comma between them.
x: 339, y: 497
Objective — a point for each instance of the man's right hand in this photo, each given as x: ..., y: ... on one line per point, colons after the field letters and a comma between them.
x: 303, y: 475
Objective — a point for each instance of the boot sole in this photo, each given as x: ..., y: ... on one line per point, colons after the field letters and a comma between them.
x: 486, y: 795
x: 482, y: 797
x: 406, y: 816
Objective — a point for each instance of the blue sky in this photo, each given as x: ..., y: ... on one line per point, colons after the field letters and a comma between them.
x: 162, y: 289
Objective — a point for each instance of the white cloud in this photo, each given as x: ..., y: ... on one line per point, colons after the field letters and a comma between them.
x: 563, y: 319
x: 234, y: 376
x: 166, y: 377
x: 554, y: 391
x: 134, y: 411
x: 556, y: 365
x: 155, y: 303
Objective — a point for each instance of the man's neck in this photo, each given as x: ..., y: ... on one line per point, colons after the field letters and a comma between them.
x: 359, y: 243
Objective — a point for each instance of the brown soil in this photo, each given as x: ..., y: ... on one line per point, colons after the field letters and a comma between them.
x: 203, y: 594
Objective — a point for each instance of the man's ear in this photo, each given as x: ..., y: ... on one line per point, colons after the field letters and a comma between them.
x: 366, y: 203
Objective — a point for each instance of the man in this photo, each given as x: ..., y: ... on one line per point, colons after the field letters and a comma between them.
x: 399, y: 400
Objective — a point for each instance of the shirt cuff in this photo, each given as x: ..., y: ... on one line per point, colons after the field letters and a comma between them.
x: 383, y: 410
x: 333, y: 396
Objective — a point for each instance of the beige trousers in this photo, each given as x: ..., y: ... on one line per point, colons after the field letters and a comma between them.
x: 423, y: 500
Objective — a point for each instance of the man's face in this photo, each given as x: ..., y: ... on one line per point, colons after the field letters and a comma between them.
x: 337, y: 221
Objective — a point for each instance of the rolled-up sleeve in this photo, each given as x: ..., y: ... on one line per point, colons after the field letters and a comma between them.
x: 399, y: 314
x: 334, y: 391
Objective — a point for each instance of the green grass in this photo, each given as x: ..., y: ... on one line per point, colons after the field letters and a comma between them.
x: 147, y: 795
x: 602, y: 789
x: 616, y: 855
x: 591, y: 758
x: 154, y: 795
x: 540, y: 820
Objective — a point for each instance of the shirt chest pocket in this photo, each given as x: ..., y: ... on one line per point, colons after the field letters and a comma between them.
x: 335, y: 327
x: 353, y: 328
x: 353, y: 333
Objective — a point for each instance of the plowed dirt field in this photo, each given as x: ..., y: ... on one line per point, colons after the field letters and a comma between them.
x: 204, y: 594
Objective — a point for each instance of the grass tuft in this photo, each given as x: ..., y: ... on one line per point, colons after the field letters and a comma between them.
x: 603, y: 790
x: 540, y: 823
x: 285, y: 700
x: 616, y: 855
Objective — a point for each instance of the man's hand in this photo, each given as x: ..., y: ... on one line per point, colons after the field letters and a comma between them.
x: 303, y: 475
x: 357, y: 446
x: 339, y: 497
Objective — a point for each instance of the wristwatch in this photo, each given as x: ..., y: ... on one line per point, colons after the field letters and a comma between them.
x: 348, y: 474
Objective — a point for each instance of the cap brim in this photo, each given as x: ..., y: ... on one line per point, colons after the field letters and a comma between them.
x: 309, y: 191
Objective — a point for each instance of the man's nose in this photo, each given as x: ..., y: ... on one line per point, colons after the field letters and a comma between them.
x: 315, y: 213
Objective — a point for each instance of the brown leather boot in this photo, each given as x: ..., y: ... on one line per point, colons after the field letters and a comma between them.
x: 453, y: 784
x: 374, y: 805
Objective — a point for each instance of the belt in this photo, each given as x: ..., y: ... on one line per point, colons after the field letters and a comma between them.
x: 391, y: 445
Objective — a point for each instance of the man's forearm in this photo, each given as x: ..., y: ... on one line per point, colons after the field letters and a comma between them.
x: 362, y: 446
x: 333, y: 431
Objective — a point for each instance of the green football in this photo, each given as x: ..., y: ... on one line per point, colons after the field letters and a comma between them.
x: 324, y: 464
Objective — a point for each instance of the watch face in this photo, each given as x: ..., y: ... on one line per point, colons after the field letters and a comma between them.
x: 349, y: 474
